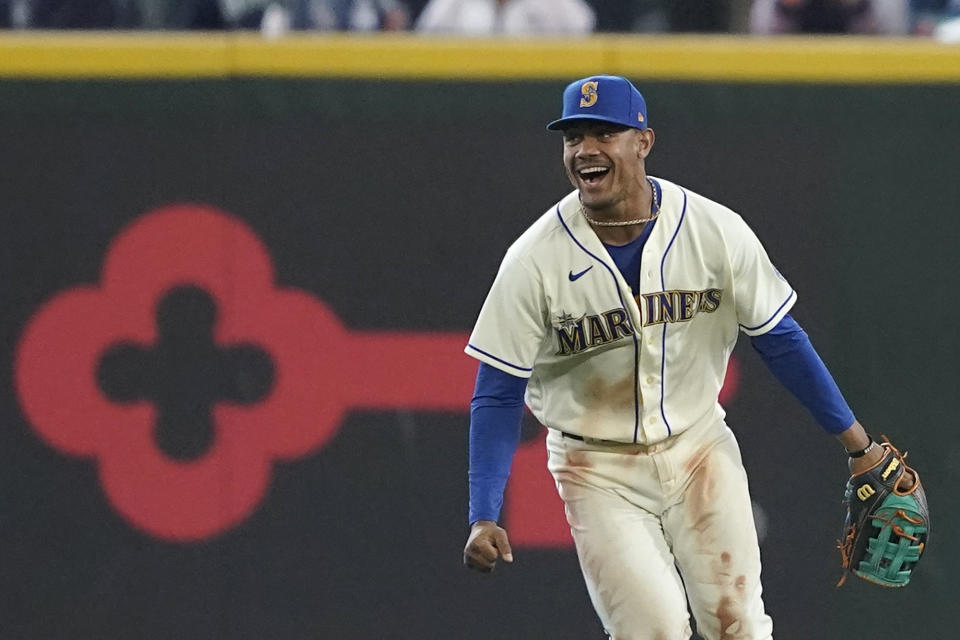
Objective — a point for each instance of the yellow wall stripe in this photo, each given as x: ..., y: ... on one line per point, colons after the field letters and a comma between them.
x: 406, y: 56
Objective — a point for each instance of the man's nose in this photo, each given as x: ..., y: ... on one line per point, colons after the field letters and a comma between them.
x: 588, y: 146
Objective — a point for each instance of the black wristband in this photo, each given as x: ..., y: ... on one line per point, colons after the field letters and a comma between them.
x: 865, y: 450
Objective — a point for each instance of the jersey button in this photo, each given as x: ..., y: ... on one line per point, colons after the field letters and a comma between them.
x: 649, y: 379
x: 652, y: 419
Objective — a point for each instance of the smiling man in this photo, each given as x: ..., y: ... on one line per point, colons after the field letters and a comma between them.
x: 613, y: 316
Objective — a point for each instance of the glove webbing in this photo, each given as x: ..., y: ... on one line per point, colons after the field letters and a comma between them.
x: 885, y: 557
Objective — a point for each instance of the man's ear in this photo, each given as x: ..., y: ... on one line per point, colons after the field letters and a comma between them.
x: 645, y: 141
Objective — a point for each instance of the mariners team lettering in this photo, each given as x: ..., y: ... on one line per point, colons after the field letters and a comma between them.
x: 578, y: 334
x: 678, y: 306
x: 589, y: 93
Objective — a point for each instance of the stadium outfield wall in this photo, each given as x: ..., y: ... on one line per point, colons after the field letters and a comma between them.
x: 850, y: 59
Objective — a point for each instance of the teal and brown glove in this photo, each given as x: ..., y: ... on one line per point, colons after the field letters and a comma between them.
x: 886, y: 529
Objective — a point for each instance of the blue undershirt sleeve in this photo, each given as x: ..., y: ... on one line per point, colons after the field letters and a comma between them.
x: 788, y: 353
x: 496, y: 412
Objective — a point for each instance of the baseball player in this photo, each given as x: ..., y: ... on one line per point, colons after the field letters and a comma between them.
x: 613, y: 317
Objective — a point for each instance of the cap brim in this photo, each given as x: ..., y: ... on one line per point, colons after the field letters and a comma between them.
x: 563, y: 123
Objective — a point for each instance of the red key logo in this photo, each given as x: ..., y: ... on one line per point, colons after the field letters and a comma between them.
x: 315, y: 371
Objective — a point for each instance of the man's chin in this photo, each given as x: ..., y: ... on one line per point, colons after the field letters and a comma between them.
x: 593, y: 202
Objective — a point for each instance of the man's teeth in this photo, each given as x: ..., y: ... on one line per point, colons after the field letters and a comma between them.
x: 593, y: 172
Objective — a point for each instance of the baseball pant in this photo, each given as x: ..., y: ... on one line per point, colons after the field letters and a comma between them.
x: 658, y: 525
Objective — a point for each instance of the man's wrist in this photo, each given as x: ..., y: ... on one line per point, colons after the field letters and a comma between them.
x: 854, y: 438
x: 865, y: 450
x: 482, y: 521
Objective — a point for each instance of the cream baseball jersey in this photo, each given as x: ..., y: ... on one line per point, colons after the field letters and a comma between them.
x: 604, y: 364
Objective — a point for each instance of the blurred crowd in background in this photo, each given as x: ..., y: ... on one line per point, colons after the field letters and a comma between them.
x: 492, y: 17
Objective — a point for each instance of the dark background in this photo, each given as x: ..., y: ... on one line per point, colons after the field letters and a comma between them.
x: 393, y: 202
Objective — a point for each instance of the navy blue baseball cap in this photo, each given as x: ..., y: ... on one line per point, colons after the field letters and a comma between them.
x: 603, y: 98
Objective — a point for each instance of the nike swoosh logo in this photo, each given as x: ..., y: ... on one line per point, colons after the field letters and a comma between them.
x: 574, y: 276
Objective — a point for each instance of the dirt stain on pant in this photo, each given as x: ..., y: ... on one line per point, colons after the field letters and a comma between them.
x: 703, y: 513
x: 730, y: 611
x: 701, y: 492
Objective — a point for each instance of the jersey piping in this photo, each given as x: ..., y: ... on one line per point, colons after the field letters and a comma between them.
x: 490, y: 355
x: 775, y: 314
x: 636, y: 346
x: 663, y: 286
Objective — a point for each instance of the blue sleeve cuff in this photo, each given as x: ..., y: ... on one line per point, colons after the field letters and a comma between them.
x: 788, y: 353
x: 496, y: 412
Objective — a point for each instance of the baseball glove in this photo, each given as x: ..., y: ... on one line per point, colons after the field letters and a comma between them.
x: 886, y: 529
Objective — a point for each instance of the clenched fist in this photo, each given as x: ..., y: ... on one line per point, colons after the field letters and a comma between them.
x: 486, y: 543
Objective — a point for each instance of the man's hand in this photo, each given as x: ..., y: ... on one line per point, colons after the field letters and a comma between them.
x: 486, y: 543
x: 871, y: 459
x: 856, y: 438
